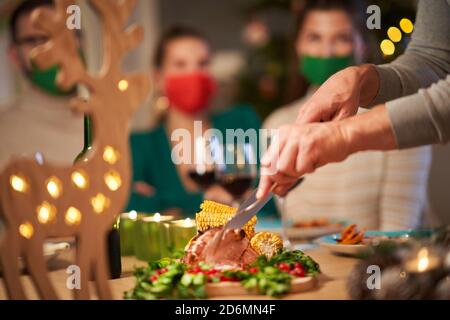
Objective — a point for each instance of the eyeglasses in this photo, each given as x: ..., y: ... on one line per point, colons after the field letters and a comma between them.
x: 32, y: 41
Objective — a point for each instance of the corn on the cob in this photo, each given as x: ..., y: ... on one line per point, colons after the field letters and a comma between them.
x: 213, y: 215
x: 266, y: 243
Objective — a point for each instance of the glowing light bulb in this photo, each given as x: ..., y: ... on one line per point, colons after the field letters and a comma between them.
x: 123, y: 85
x: 80, y: 179
x: 100, y: 203
x: 110, y: 155
x: 18, y: 183
x: 157, y: 217
x: 387, y: 47
x: 394, y: 34
x: 406, y: 25
x: 46, y: 212
x: 73, y: 216
x: 26, y: 230
x: 54, y: 187
x: 113, y: 180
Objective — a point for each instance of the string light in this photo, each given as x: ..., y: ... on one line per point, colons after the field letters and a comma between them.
x: 387, y: 47
x: 394, y: 34
x: 406, y: 25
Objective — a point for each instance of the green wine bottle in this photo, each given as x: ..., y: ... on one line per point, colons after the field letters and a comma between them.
x: 82, y: 156
x: 113, y: 237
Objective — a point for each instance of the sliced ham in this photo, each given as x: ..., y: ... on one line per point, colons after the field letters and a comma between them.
x: 234, y: 249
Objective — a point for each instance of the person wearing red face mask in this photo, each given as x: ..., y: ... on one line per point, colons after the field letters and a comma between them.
x: 182, y: 77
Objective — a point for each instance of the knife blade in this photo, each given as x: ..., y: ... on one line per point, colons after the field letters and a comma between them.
x: 243, y: 215
x: 249, y: 208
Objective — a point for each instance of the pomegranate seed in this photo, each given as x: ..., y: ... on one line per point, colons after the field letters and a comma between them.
x: 284, y: 267
x: 153, y: 278
x: 211, y: 271
x: 224, y: 278
x: 253, y: 270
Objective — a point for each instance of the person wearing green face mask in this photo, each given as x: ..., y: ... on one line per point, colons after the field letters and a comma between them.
x: 40, y: 121
x: 363, y: 188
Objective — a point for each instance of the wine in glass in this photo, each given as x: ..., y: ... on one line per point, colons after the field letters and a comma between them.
x: 236, y: 169
x: 202, y: 170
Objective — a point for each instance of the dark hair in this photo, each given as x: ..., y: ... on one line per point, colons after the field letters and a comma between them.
x: 22, y: 9
x: 355, y: 9
x: 175, y: 33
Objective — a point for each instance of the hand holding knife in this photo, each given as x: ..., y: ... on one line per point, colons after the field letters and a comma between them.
x: 249, y: 208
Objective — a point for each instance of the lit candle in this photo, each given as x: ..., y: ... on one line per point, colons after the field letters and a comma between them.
x: 126, y: 223
x: 423, y: 262
x: 181, y: 231
x: 148, y: 237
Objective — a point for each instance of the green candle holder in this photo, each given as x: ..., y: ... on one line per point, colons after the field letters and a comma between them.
x: 149, y: 235
x: 126, y: 227
x: 181, y: 232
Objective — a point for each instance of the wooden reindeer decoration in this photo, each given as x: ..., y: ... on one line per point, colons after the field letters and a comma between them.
x: 40, y: 200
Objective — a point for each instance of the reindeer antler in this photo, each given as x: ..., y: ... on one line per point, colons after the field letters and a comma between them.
x: 62, y: 50
x: 61, y: 38
x: 116, y: 14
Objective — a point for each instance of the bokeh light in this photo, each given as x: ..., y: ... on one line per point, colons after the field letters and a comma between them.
x: 394, y: 34
x: 406, y: 25
x: 387, y: 47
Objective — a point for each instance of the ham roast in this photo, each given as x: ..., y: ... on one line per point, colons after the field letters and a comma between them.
x: 234, y: 250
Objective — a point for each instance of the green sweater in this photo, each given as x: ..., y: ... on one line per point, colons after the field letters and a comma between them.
x: 152, y: 163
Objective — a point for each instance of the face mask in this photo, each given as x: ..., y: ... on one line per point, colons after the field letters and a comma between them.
x: 46, y: 80
x: 190, y: 93
x: 317, y: 70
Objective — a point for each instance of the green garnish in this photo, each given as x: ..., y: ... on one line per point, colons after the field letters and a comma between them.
x: 170, y: 279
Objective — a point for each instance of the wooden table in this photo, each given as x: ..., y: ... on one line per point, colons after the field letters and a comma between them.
x: 332, y: 283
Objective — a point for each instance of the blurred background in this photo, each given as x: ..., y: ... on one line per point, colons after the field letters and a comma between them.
x: 252, y: 41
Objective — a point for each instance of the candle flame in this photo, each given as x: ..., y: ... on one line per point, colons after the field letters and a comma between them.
x: 423, y: 260
x: 187, y: 222
x: 133, y: 215
x: 157, y: 217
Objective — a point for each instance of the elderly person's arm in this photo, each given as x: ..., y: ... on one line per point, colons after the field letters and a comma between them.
x: 302, y: 148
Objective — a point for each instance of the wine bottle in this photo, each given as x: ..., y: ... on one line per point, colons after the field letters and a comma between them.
x: 113, y: 237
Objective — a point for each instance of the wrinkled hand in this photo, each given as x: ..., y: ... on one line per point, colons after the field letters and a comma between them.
x: 298, y: 150
x: 341, y: 95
